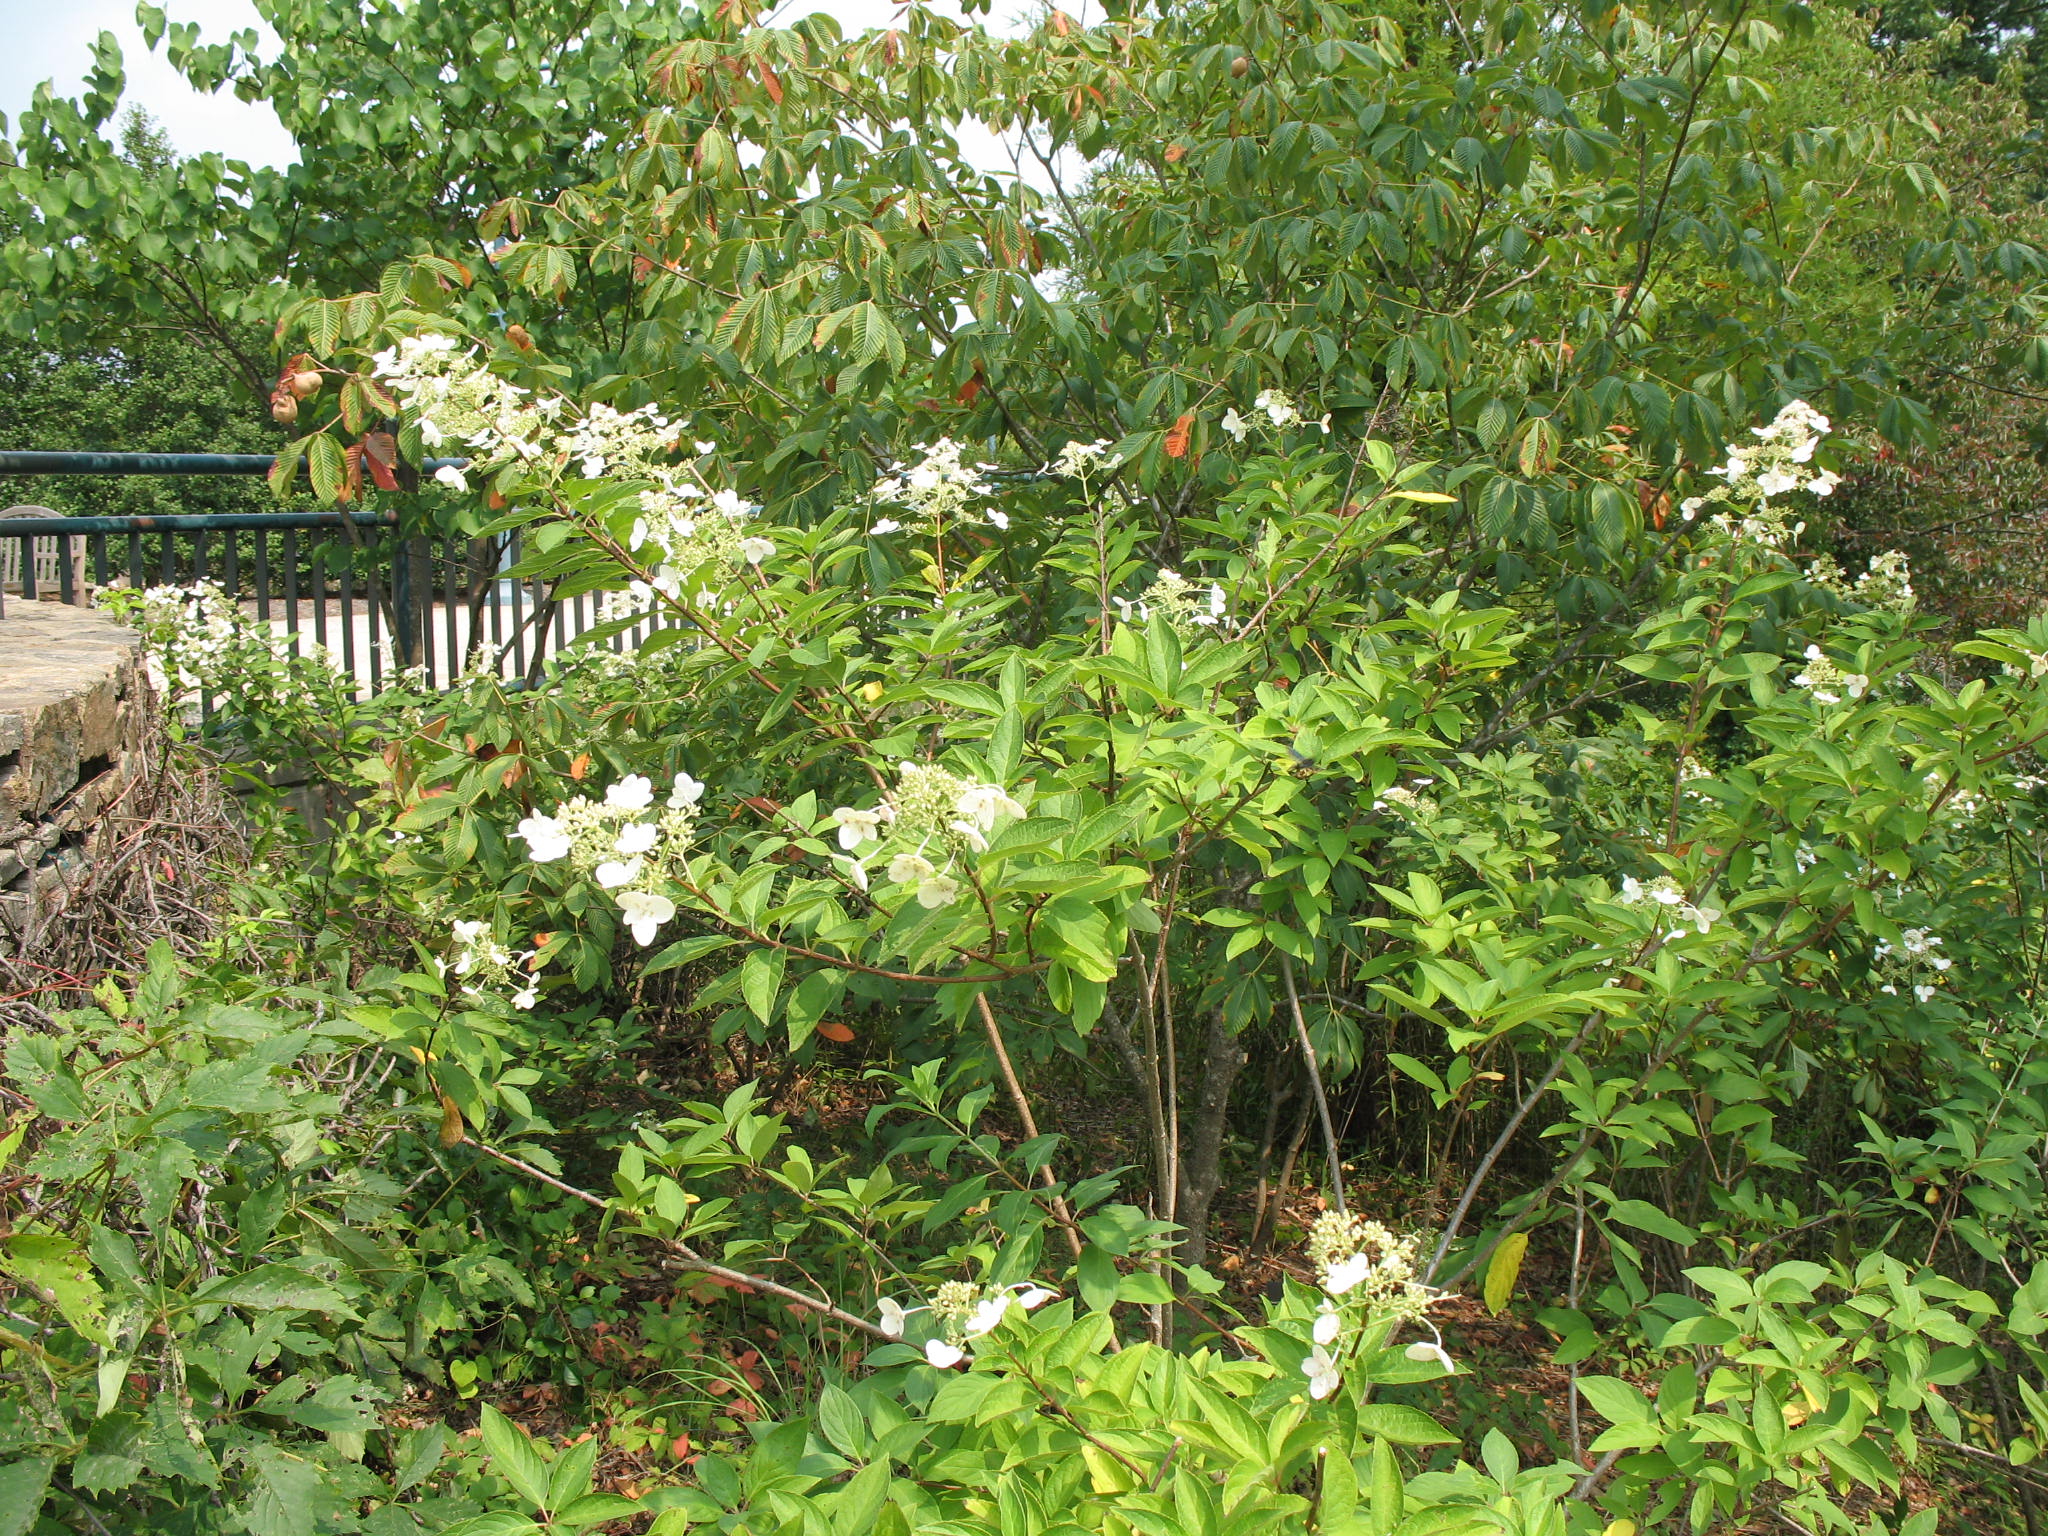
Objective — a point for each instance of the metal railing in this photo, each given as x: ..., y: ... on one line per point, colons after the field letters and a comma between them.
x: 349, y: 582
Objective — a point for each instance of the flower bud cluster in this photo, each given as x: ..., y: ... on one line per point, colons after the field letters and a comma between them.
x: 1828, y: 682
x: 624, y: 842
x: 933, y: 818
x: 1668, y: 893
x: 1178, y: 602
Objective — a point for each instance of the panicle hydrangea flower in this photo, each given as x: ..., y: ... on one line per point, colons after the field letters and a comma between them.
x: 1754, y: 473
x: 1828, y: 683
x: 196, y: 641
x: 1362, y: 1262
x: 1915, y: 963
x: 1082, y: 461
x: 1886, y: 584
x: 624, y: 841
x: 1668, y: 893
x: 1408, y: 801
x: 1190, y: 608
x: 936, y: 816
x: 940, y: 488
x: 486, y: 967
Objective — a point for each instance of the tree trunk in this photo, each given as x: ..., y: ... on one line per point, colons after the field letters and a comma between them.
x: 1201, y: 1170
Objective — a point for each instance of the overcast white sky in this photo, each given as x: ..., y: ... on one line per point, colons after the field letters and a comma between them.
x: 52, y: 40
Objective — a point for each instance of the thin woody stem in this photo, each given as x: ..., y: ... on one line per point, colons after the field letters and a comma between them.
x: 1315, y: 1080
x: 1028, y: 1120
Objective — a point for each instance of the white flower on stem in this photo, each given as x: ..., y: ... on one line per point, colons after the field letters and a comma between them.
x: 1322, y: 1373
x: 635, y: 792
x: 1328, y: 1323
x: 987, y: 1313
x: 1690, y: 507
x: 983, y: 803
x: 451, y: 477
x: 544, y: 838
x: 893, y: 1314
x: 856, y: 871
x: 688, y: 792
x: 728, y: 502
x: 886, y: 525
x: 1856, y: 683
x: 614, y: 873
x: 1824, y: 483
x: 526, y: 997
x: 1631, y: 889
x: 1924, y: 992
x: 945, y: 1356
x: 644, y: 912
x: 1347, y: 1274
x: 1235, y: 425
x: 938, y: 891
x: 757, y: 550
x: 1432, y: 1351
x: 1031, y: 1297
x: 1775, y: 482
x: 1000, y: 519
x: 909, y: 868
x: 856, y: 826
x: 638, y: 837
x: 971, y: 833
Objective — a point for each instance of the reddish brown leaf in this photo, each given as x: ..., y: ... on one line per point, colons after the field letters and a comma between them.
x: 580, y: 767
x: 1175, y: 153
x: 969, y: 390
x: 838, y: 1034
x: 1177, y: 439
x: 1061, y: 24
x: 770, y: 84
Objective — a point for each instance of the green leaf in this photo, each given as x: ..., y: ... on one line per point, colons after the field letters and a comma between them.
x: 1646, y: 1217
x: 515, y: 1457
x: 1399, y: 1424
x: 1616, y: 1401
x: 57, y: 1270
x: 23, y: 1484
x: 277, y: 1287
x: 683, y: 951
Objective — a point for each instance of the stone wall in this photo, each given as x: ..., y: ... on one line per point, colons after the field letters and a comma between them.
x: 73, y: 704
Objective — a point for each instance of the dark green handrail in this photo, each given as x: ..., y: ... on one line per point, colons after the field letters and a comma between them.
x: 40, y: 462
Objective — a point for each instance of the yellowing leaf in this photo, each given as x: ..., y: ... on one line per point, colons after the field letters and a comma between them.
x: 1503, y: 1269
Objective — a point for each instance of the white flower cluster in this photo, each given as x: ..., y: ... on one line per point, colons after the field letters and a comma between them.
x: 196, y: 640
x: 1174, y: 600
x: 683, y: 525
x: 486, y: 967
x: 1887, y: 583
x: 623, y: 842
x: 939, y: 815
x: 1279, y: 409
x: 1667, y: 892
x: 1081, y: 461
x: 1774, y: 466
x: 1409, y: 801
x: 1828, y: 683
x: 1913, y: 962
x: 1369, y: 1275
x: 940, y: 488
x: 963, y: 1311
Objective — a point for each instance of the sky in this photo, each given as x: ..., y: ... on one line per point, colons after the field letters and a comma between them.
x: 52, y: 40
